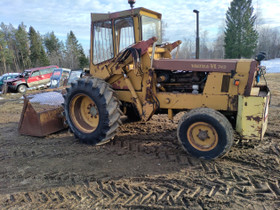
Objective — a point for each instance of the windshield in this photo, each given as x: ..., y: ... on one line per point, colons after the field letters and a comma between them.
x: 25, y: 74
x: 151, y: 27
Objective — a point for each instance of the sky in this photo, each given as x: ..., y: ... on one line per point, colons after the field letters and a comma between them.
x: 61, y: 16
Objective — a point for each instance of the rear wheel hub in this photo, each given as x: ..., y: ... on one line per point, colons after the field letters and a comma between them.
x: 202, y: 136
x: 84, y: 113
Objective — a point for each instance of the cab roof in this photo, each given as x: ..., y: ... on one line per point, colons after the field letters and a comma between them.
x: 95, y: 17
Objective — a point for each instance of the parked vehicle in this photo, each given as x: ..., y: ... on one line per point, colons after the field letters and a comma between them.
x: 7, y: 76
x: 75, y: 75
x: 35, y: 77
x: 59, y: 77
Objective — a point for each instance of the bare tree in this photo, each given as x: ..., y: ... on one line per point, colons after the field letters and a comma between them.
x: 186, y: 49
x: 205, y: 52
x: 218, y: 47
x: 269, y: 42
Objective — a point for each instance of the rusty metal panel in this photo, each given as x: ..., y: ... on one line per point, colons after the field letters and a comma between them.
x: 196, y: 65
x: 252, y: 116
x: 40, y: 123
x: 253, y: 69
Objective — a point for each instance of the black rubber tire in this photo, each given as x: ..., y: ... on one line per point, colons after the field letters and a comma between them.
x: 218, y: 121
x: 108, y: 108
x: 21, y: 88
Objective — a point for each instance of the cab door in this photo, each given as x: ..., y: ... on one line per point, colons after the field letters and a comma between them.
x: 34, y: 79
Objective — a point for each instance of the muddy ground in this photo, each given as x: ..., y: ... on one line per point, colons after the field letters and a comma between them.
x: 143, y: 168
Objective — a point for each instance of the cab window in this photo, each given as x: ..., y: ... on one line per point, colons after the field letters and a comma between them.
x: 124, y: 33
x: 151, y: 27
x: 102, y: 42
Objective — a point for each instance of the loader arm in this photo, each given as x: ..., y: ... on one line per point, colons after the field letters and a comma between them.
x: 120, y: 65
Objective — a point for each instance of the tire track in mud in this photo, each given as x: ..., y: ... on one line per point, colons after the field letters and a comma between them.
x: 143, y: 192
x: 203, y: 183
x: 235, y: 181
x: 248, y: 179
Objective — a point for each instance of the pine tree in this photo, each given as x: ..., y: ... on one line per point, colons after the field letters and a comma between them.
x: 6, y: 56
x: 54, y: 48
x: 84, y: 62
x: 37, y: 53
x: 240, y: 35
x: 10, y: 37
x: 74, y: 52
x: 52, y: 43
x: 22, y: 47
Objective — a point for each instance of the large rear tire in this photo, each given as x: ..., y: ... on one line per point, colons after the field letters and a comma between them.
x: 205, y: 133
x: 92, y: 111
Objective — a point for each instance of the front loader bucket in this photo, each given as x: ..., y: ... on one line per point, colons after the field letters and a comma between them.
x: 41, y: 123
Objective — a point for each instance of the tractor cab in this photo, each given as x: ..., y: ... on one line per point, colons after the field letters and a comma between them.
x: 113, y: 32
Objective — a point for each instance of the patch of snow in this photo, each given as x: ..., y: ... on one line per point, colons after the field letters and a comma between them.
x: 50, y: 98
x: 272, y: 66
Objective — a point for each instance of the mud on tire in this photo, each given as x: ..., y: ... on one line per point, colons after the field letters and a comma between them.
x: 205, y: 133
x: 92, y: 111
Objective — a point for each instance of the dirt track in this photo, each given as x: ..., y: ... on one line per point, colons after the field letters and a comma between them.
x: 143, y: 168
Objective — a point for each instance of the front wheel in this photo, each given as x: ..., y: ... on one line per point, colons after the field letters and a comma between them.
x: 21, y: 89
x: 92, y: 111
x: 205, y: 133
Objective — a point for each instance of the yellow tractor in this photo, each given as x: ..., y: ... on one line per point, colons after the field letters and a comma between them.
x: 133, y: 72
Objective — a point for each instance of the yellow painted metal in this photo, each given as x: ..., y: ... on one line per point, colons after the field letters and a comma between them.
x: 150, y: 13
x: 136, y: 29
x: 202, y: 136
x: 191, y: 101
x: 255, y: 91
x: 135, y: 97
x: 96, y: 17
x: 84, y: 113
x: 242, y: 74
x: 252, y: 116
x: 213, y: 83
x: 170, y: 114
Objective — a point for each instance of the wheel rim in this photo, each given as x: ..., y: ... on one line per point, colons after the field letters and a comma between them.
x: 202, y: 136
x: 21, y: 89
x: 84, y: 113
